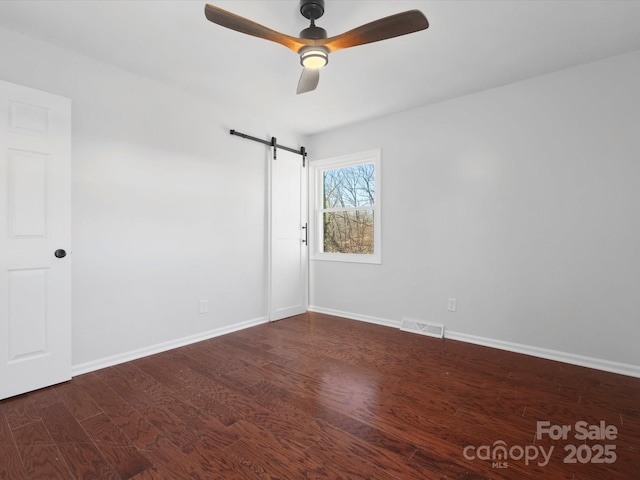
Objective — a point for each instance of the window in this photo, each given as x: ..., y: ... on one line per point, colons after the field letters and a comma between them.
x: 346, y: 196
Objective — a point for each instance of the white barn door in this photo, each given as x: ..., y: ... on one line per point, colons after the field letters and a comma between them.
x: 35, y: 231
x: 288, y: 252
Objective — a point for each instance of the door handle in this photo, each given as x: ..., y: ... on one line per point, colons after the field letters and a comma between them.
x: 60, y: 253
x: 306, y: 234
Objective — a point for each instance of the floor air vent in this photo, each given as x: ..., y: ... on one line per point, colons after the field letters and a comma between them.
x: 423, y: 328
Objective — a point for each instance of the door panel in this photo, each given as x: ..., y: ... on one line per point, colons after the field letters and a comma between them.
x: 27, y: 319
x: 288, y: 251
x: 35, y: 208
x: 27, y: 187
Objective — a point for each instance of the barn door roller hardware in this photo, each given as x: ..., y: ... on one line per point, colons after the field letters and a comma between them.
x: 273, y: 143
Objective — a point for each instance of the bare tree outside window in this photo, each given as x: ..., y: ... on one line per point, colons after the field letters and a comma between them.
x: 348, y: 213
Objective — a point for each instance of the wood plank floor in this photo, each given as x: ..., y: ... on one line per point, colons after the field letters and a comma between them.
x: 320, y: 397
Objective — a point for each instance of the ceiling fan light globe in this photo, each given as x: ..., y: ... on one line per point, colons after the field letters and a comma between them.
x: 314, y: 57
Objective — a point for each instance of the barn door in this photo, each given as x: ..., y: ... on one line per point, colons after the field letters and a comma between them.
x: 35, y: 210
x: 288, y: 251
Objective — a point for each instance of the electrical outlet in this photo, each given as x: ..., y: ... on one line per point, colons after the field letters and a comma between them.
x: 204, y: 306
x: 451, y: 304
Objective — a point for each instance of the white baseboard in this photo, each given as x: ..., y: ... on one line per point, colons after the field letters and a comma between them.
x: 162, y: 347
x: 354, y: 316
x: 558, y: 356
x: 570, y: 358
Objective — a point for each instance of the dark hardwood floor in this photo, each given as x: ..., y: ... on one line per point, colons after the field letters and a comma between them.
x: 320, y: 397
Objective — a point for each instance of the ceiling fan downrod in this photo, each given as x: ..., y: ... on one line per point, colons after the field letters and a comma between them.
x: 312, y: 9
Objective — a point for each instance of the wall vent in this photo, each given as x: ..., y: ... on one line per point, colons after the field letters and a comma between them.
x: 423, y: 328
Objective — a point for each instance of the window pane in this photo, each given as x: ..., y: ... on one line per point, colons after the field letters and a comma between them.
x: 348, y: 232
x: 349, y: 186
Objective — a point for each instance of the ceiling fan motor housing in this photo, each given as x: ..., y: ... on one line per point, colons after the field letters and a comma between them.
x: 312, y: 9
x: 313, y: 33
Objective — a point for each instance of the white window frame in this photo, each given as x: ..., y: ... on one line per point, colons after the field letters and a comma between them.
x: 316, y: 170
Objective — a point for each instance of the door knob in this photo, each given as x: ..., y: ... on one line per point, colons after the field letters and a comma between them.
x: 60, y: 253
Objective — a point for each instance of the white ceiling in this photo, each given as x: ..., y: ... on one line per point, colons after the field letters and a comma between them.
x: 471, y: 45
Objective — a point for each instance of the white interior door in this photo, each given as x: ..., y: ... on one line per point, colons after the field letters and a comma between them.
x: 35, y: 211
x: 288, y: 265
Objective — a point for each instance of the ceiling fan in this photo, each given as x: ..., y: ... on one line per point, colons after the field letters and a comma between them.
x: 313, y: 45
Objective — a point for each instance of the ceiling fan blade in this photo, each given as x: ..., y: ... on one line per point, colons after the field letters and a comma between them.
x: 308, y: 80
x: 244, y: 25
x: 382, y: 29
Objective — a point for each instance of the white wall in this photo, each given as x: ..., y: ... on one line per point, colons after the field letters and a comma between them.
x: 168, y: 208
x: 523, y: 202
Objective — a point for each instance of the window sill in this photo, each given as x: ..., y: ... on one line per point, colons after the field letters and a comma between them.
x: 348, y: 258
